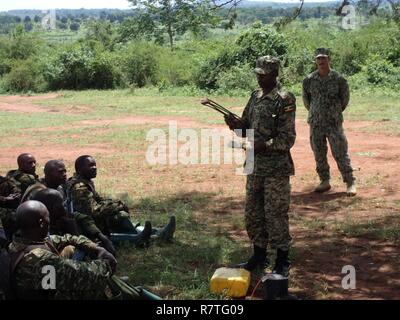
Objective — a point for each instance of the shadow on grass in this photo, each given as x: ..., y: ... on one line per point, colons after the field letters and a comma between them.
x: 182, y: 270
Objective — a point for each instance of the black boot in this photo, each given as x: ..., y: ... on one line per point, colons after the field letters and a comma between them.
x: 140, y: 239
x: 282, y: 263
x: 258, y: 259
x: 167, y: 233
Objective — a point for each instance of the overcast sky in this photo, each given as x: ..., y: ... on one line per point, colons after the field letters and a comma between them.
x: 77, y: 4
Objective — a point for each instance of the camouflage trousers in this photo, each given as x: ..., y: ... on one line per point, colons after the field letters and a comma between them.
x: 266, y: 213
x: 339, y: 147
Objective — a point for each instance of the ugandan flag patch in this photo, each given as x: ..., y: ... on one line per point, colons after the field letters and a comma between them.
x: 289, y: 108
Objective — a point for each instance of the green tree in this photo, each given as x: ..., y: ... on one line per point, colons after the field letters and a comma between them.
x: 175, y: 17
x: 74, y: 26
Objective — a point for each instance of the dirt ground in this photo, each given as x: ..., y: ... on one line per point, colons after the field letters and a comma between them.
x: 320, y: 252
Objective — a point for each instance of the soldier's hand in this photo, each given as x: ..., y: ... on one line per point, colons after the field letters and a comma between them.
x: 12, y: 197
x: 105, y: 255
x: 232, y: 122
x: 106, y: 243
x: 259, y: 146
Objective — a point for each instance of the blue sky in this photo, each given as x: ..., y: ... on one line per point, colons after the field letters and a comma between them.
x: 76, y: 4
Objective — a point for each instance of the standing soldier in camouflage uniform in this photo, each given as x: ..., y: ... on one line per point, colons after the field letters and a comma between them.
x: 32, y: 251
x: 25, y: 175
x: 271, y: 113
x: 326, y: 95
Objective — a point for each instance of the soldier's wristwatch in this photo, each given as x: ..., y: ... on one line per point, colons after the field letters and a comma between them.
x: 269, y: 142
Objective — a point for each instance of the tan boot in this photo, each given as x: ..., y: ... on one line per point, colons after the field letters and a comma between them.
x: 323, y: 186
x: 351, y: 189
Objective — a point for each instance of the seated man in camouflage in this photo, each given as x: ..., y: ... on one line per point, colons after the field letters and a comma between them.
x: 35, y: 255
x: 25, y: 175
x: 61, y: 222
x: 55, y: 177
x: 111, y: 216
x: 9, y: 200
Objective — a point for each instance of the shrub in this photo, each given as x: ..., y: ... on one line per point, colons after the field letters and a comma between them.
x: 25, y: 75
x: 381, y: 71
x: 80, y: 67
x: 237, y: 78
x: 140, y: 64
x: 257, y: 41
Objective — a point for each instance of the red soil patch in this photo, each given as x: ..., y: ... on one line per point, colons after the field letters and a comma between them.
x: 320, y: 255
x: 24, y: 104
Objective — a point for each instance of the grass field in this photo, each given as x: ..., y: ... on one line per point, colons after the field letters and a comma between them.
x: 208, y: 200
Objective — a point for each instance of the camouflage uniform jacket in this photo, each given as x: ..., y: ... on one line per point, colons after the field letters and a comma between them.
x: 325, y: 98
x: 22, y: 180
x: 74, y: 279
x: 85, y: 199
x: 272, y: 115
x: 84, y: 221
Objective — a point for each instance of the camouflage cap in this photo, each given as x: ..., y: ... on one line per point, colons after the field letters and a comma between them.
x: 266, y: 65
x: 322, y: 52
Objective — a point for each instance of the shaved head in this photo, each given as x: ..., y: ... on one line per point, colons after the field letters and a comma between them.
x: 33, y: 220
x: 55, y: 173
x: 48, y: 197
x: 26, y: 163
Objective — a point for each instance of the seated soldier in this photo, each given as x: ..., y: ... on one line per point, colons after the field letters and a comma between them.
x: 111, y: 216
x: 33, y: 252
x: 55, y: 176
x: 9, y: 200
x: 25, y: 175
x: 60, y: 222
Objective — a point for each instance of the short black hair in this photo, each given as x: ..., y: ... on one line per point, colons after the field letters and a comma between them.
x: 21, y: 158
x: 80, y: 162
x: 48, y: 197
x: 51, y: 164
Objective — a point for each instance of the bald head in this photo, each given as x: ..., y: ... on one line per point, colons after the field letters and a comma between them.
x: 53, y: 200
x: 33, y: 220
x: 55, y: 173
x: 26, y: 163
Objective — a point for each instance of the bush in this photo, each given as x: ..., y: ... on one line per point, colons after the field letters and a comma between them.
x: 259, y: 40
x: 237, y: 78
x: 140, y: 64
x: 79, y: 67
x: 25, y: 75
x: 380, y: 71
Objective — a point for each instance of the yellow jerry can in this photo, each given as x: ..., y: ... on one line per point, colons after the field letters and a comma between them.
x: 234, y: 282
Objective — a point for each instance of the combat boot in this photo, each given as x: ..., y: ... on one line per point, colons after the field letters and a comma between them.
x: 282, y: 263
x: 351, y: 189
x: 166, y: 233
x: 140, y: 239
x: 258, y: 259
x: 323, y: 186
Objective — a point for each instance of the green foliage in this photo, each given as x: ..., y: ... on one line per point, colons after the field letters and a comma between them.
x: 25, y: 75
x: 140, y: 64
x: 261, y: 40
x: 22, y: 45
x: 172, y: 18
x: 255, y: 42
x: 80, y: 67
x: 380, y: 71
x: 237, y: 79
